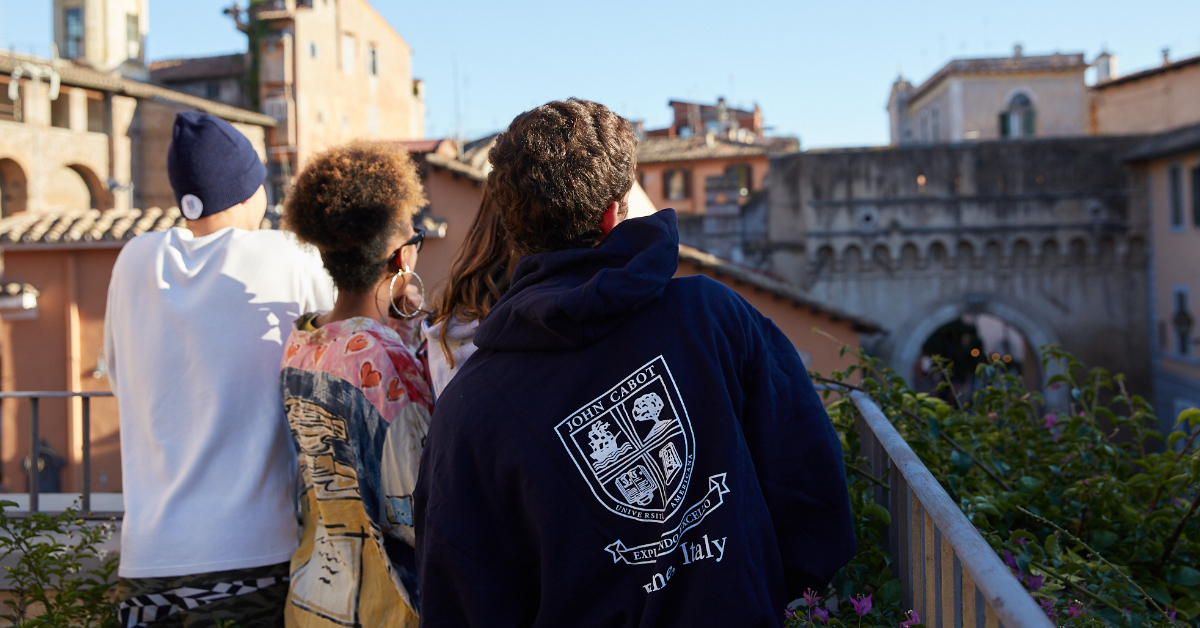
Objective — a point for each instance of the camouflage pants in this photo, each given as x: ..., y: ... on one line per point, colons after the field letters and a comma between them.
x: 245, y: 598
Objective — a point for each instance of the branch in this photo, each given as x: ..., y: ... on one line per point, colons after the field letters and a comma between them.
x: 1162, y: 560
x: 1102, y: 559
x: 826, y: 380
x: 1067, y: 581
x: 871, y: 477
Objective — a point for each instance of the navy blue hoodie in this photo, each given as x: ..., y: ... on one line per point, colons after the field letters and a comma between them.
x: 627, y: 449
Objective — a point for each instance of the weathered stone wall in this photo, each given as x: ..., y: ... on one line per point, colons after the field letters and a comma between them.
x: 1039, y: 233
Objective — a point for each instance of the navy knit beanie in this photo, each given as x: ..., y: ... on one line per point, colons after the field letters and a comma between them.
x: 212, y: 166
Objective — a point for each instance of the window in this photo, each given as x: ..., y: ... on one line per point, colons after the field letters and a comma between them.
x: 348, y: 47
x: 372, y: 60
x: 935, y: 124
x: 1019, y: 120
x: 74, y: 42
x: 96, y: 110
x: 1196, y: 196
x: 212, y: 90
x: 739, y: 175
x: 133, y: 38
x: 676, y: 184
x: 60, y: 110
x: 1175, y: 196
x: 1182, y: 321
x: 9, y: 109
x: 276, y: 107
x: 312, y: 49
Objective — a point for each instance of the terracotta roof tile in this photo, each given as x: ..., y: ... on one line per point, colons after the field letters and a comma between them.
x: 662, y: 149
x: 220, y: 66
x: 68, y: 227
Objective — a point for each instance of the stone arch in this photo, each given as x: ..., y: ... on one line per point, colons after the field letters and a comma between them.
x: 910, y: 257
x: 936, y: 255
x: 993, y: 254
x: 964, y: 254
x: 14, y: 187
x: 1021, y: 254
x: 1106, y: 254
x: 913, y: 333
x: 852, y: 259
x: 881, y: 257
x: 99, y: 196
x: 1077, y: 252
x: 1049, y: 254
x: 825, y: 258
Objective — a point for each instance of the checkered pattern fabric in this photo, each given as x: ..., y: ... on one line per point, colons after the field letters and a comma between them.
x: 143, y: 609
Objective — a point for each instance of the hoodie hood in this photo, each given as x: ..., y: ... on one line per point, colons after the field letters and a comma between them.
x: 572, y: 299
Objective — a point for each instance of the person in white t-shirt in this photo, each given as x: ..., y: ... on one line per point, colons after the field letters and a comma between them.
x: 193, y: 337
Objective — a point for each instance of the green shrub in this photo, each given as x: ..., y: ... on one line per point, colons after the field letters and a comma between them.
x: 1091, y: 508
x: 49, y: 584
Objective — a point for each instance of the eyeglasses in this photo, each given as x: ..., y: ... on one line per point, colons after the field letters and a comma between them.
x: 417, y: 240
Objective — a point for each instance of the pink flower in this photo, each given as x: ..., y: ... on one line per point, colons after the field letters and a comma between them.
x: 811, y: 598
x: 1022, y: 541
x: 1076, y: 609
x: 1036, y: 583
x: 1171, y: 613
x: 822, y: 615
x: 862, y: 605
x: 1051, y: 421
x: 1010, y: 560
x: 1048, y: 608
x: 913, y: 619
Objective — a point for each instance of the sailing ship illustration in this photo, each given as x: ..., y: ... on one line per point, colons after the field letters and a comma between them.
x: 605, y: 450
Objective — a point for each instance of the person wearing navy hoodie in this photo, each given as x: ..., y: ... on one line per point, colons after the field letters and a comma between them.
x: 625, y: 448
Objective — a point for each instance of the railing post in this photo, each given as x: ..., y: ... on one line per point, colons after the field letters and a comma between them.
x: 34, y: 455
x: 87, y: 454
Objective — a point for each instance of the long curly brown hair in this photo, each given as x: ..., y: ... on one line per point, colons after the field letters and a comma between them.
x: 348, y: 202
x: 479, y: 275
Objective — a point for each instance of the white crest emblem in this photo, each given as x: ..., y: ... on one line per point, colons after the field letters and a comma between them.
x: 191, y: 206
x: 634, y: 444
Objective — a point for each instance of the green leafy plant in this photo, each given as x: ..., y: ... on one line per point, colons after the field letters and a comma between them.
x: 49, y: 581
x: 1090, y: 506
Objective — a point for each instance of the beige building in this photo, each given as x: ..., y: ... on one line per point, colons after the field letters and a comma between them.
x: 1151, y: 101
x: 1167, y: 186
x: 988, y: 99
x: 328, y: 71
x: 106, y: 35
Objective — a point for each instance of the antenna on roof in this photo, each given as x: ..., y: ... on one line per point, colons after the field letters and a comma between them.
x: 458, y: 141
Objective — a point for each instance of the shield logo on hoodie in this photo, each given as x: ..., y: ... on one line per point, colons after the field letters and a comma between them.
x: 634, y: 444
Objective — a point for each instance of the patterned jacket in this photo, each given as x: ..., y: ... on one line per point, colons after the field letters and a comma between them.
x: 358, y: 405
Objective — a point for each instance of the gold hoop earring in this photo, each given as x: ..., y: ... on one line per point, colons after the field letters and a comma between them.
x: 392, y: 292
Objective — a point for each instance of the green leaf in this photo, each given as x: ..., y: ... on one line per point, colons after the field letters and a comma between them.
x: 1157, y: 590
x: 1103, y: 539
x: 1184, y: 577
x: 1191, y: 415
x: 1174, y: 437
x: 875, y: 511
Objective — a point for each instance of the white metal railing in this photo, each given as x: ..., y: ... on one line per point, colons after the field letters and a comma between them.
x: 948, y: 572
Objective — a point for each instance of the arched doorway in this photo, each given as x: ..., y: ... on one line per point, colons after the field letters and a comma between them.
x: 75, y: 187
x: 995, y: 326
x: 13, y: 190
x: 968, y: 341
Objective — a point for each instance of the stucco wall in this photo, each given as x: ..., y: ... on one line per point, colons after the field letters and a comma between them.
x: 651, y: 177
x: 455, y: 199
x: 820, y: 353
x: 969, y: 105
x: 1149, y: 105
x: 59, y: 350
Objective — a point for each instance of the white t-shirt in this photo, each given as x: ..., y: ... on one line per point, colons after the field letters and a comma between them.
x: 193, y: 337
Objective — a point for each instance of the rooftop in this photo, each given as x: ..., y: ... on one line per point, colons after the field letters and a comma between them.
x: 664, y: 149
x: 1181, y: 140
x: 76, y: 75
x: 92, y: 226
x: 1016, y: 64
x: 220, y: 66
x: 780, y: 289
x: 1137, y: 76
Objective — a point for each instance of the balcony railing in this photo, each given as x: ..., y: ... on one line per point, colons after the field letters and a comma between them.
x: 35, y: 446
x: 948, y: 572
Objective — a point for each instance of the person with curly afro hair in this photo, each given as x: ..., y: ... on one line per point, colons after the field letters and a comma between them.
x: 356, y: 395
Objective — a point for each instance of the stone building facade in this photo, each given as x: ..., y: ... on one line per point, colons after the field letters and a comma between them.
x: 327, y: 71
x: 1150, y: 101
x: 105, y: 35
x: 987, y: 99
x: 1041, y: 234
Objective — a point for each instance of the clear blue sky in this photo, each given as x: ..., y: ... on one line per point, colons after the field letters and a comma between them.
x: 819, y: 69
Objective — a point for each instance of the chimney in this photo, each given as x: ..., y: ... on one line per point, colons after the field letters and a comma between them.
x: 1106, y: 67
x: 1018, y: 50
x: 1166, y: 56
